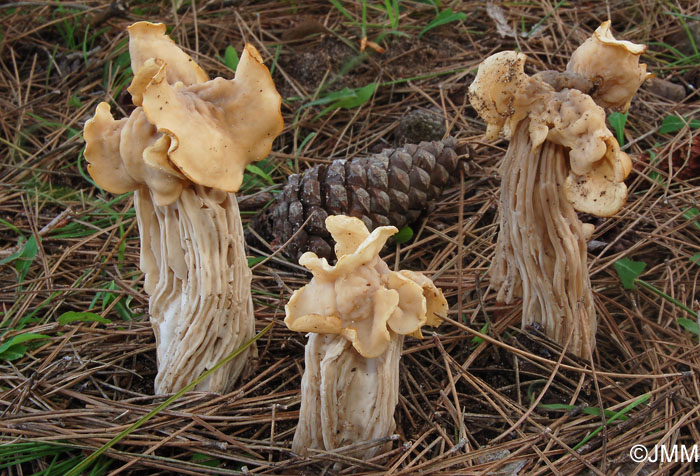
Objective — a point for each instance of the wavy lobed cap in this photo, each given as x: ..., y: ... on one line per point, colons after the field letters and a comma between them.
x: 149, y: 40
x: 503, y: 95
x: 360, y: 298
x: 595, y: 183
x: 493, y: 91
x: 187, y: 127
x: 613, y: 65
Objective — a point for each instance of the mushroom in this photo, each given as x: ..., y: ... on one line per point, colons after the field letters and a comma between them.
x: 613, y: 65
x: 357, y: 313
x: 562, y: 158
x: 183, y: 151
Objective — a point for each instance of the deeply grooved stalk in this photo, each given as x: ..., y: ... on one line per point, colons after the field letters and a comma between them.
x: 348, y: 397
x: 543, y: 264
x: 194, y: 260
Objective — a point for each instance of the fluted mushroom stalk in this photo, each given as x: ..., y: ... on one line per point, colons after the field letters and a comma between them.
x: 562, y: 158
x: 183, y: 151
x: 357, y: 313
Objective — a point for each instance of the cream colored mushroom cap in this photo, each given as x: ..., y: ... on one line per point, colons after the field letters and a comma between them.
x: 598, y: 167
x: 347, y: 234
x: 218, y: 127
x: 613, y: 65
x: 360, y: 298
x: 604, y: 34
x: 436, y: 304
x: 492, y: 93
x: 187, y: 127
x: 148, y: 40
x: 124, y: 154
x: 594, y: 194
x: 102, y: 135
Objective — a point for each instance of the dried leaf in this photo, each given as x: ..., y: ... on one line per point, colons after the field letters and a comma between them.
x: 498, y: 15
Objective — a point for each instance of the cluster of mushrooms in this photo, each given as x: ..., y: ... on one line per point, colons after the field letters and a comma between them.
x: 183, y: 151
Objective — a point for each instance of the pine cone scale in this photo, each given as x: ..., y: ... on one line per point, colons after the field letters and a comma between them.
x: 336, y: 199
x: 360, y: 201
x: 335, y: 174
x: 355, y: 174
x: 377, y: 177
x: 400, y: 180
x: 380, y: 201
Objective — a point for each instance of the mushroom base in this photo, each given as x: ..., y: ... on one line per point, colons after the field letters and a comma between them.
x: 541, y: 249
x: 347, y: 398
x: 198, y: 280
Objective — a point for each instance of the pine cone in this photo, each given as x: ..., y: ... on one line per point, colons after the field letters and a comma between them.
x: 420, y: 125
x: 389, y: 188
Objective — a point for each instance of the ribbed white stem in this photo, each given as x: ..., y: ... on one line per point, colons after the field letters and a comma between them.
x: 346, y: 398
x: 198, y: 280
x: 541, y: 249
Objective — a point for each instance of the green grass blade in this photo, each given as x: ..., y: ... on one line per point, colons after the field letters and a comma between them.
x: 692, y: 214
x: 84, y: 45
x: 614, y: 417
x: 593, y: 411
x: 442, y: 18
x: 206, y: 460
x: 350, y: 99
x: 23, y: 258
x: 695, y: 259
x: 278, y: 50
x: 253, y: 260
x: 681, y: 15
x: 363, y: 25
x: 629, y: 271
x: 11, y: 227
x: 341, y: 9
x: 544, y: 19
x: 89, y: 459
x: 13, y: 348
x: 306, y: 140
x: 476, y: 340
x: 20, y: 453
x: 86, y: 316
x: 346, y: 97
x: 404, y: 235
x: 254, y: 169
x: 82, y: 172
x: 670, y: 299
